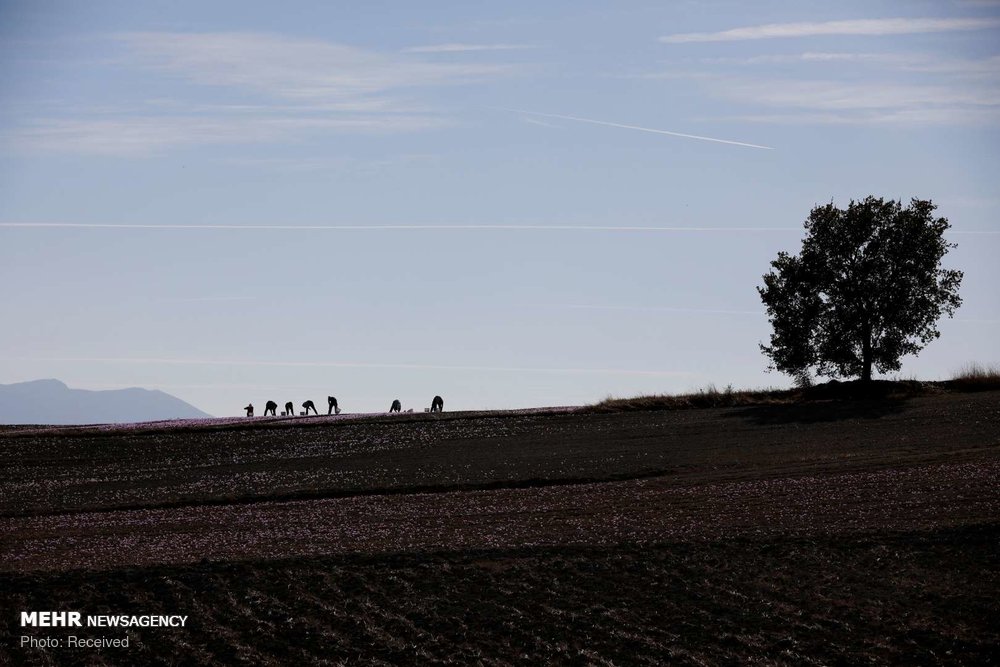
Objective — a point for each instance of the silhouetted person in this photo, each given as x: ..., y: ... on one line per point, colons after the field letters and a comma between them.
x: 249, y: 410
x: 396, y: 406
x: 437, y: 405
x: 270, y: 406
x: 309, y: 405
x: 331, y: 402
x: 290, y: 409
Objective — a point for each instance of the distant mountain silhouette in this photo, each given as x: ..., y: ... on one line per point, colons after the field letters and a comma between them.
x: 52, y: 402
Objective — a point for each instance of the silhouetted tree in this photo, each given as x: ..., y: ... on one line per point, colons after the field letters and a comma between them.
x: 866, y: 289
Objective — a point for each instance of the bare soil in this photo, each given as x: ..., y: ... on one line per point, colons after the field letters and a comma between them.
x: 847, y: 532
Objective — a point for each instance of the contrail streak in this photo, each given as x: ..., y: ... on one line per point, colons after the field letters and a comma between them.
x: 338, y: 364
x: 636, y: 127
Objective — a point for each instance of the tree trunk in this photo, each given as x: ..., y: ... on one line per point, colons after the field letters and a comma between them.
x: 866, y: 356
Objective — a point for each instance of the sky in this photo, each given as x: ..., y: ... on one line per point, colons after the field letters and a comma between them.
x: 507, y: 204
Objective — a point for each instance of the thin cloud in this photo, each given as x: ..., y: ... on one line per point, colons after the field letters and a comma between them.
x: 721, y: 311
x: 293, y: 68
x: 640, y: 129
x: 465, y: 48
x: 981, y: 69
x: 334, y: 164
x: 340, y: 364
x: 541, y: 123
x: 841, y: 95
x: 816, y: 57
x: 715, y: 311
x: 875, y: 27
x: 302, y: 88
x: 988, y: 68
x: 211, y: 385
x: 664, y: 309
x: 188, y: 299
x: 419, y: 228
x: 899, y: 117
x: 963, y: 93
x: 151, y: 135
x: 354, y: 105
x: 384, y: 228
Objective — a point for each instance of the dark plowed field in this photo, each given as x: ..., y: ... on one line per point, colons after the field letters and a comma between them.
x: 821, y: 533
x: 92, y: 469
x: 910, y: 598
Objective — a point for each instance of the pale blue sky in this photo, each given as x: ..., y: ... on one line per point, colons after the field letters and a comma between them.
x: 312, y: 129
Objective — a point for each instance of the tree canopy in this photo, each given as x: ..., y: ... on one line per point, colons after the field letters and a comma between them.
x: 866, y: 289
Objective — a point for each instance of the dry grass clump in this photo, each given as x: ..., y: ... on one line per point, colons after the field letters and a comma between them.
x: 833, y: 390
x: 707, y: 397
x: 976, y: 377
